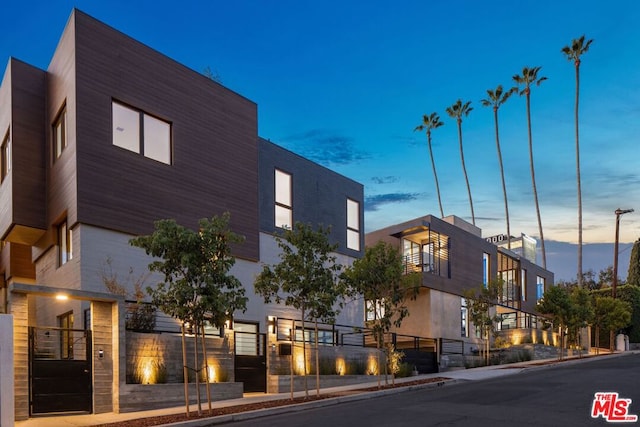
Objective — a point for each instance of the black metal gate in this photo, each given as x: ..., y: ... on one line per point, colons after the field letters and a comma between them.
x: 60, y: 370
x: 251, y: 361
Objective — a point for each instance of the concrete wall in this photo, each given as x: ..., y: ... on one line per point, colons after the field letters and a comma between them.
x: 6, y: 370
x: 103, y: 363
x: 138, y: 397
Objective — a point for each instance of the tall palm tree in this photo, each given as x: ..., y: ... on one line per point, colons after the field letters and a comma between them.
x: 530, y: 77
x: 495, y: 99
x: 456, y: 111
x: 430, y: 122
x: 573, y: 53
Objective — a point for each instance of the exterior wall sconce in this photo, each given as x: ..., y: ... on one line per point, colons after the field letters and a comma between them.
x: 272, y: 324
x: 101, y: 354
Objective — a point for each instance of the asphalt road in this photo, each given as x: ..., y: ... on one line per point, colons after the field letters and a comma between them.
x: 542, y: 396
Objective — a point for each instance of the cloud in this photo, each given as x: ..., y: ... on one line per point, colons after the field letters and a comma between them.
x: 325, y: 147
x: 385, y: 179
x: 373, y: 203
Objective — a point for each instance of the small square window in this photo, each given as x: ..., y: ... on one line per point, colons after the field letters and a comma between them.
x: 126, y: 128
x: 136, y: 131
x: 60, y: 133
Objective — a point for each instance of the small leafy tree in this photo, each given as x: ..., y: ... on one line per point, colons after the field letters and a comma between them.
x: 480, y: 303
x: 141, y: 317
x: 306, y: 278
x: 197, y: 286
x: 611, y: 314
x: 556, y: 305
x: 581, y: 314
x: 379, y: 278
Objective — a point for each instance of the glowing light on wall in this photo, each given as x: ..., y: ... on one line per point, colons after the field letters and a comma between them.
x: 372, y: 366
x: 148, y: 373
x: 212, y: 374
x: 340, y: 366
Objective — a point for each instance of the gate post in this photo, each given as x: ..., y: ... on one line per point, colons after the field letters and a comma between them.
x: 7, y: 409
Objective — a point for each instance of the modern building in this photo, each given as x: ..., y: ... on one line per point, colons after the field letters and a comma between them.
x: 452, y: 256
x: 109, y: 138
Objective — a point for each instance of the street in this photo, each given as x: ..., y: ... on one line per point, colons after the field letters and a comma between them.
x: 547, y: 396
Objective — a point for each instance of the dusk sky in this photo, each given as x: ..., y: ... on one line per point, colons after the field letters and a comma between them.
x: 345, y: 83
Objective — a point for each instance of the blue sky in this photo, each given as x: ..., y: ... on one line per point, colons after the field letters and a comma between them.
x: 345, y: 84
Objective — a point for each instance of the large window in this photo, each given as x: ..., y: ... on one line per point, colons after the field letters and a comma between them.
x: 353, y: 225
x: 137, y: 131
x: 539, y: 287
x: 5, y: 157
x: 523, y: 284
x: 60, y: 133
x: 283, y: 205
x: 65, y: 248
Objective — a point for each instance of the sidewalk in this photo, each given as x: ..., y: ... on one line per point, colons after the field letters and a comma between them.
x: 453, y: 376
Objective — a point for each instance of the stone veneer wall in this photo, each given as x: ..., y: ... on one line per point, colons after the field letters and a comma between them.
x: 20, y: 310
x: 103, y: 367
x: 164, y: 351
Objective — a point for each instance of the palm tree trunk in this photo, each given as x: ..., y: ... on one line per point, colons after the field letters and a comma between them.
x: 533, y: 181
x: 578, y: 178
x: 504, y: 185
x: 464, y: 169
x: 435, y: 175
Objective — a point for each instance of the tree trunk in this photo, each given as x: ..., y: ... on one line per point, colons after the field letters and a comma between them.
x: 185, y: 372
x: 292, y: 336
x: 504, y: 185
x: 435, y: 174
x: 304, y: 359
x: 197, y: 367
x: 464, y: 169
x: 580, y: 281
x: 206, y: 368
x: 317, y: 360
x: 533, y: 182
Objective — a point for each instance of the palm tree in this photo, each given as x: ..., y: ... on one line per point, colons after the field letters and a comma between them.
x: 495, y: 99
x: 530, y: 76
x: 456, y: 111
x: 573, y: 53
x: 428, y: 123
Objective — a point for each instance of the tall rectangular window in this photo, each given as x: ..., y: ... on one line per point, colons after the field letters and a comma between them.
x: 65, y: 247
x: 485, y: 269
x: 65, y: 322
x: 5, y: 157
x: 464, y: 326
x: 539, y: 287
x: 523, y: 284
x: 283, y: 200
x: 353, y: 225
x: 60, y: 133
x: 137, y: 131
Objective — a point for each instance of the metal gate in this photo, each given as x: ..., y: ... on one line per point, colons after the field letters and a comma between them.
x: 60, y: 370
x: 250, y: 359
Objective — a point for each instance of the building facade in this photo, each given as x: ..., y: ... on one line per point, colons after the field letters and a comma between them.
x: 452, y: 256
x: 111, y: 137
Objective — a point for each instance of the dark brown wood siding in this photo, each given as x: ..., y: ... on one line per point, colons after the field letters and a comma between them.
x: 214, y: 140
x: 22, y: 192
